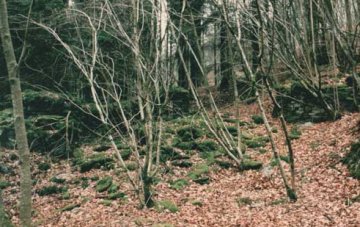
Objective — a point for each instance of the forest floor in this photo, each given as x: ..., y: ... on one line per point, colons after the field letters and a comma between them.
x: 232, y: 198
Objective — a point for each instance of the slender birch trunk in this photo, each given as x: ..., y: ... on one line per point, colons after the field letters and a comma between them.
x: 18, y: 112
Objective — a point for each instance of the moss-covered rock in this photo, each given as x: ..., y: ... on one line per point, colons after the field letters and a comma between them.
x: 224, y: 164
x: 181, y: 163
x: 189, y: 133
x: 102, y: 147
x: 249, y: 164
x: 103, y: 184
x: 179, y: 184
x: 207, y: 146
x: 131, y: 166
x: 191, y: 145
x: 96, y: 162
x: 168, y: 153
x: 295, y: 133
x: 4, y: 184
x: 166, y: 205
x: 202, y: 180
x: 257, y: 119
x: 352, y: 160
x: 43, y: 166
x: 113, y: 188
x: 70, y: 207
x: 199, y: 172
x: 116, y: 195
x: 57, y: 180
x: 50, y: 190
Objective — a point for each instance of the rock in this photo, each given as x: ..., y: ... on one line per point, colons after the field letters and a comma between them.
x: 103, y: 184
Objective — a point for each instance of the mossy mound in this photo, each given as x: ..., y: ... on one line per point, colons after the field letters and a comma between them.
x: 4, y: 184
x: 249, y: 164
x: 168, y: 153
x: 103, y: 184
x: 57, y: 180
x: 44, y: 166
x: 256, y: 142
x: 352, y: 160
x: 166, y: 205
x: 191, y: 145
x: 179, y: 184
x: 190, y: 133
x: 257, y: 119
x: 95, y: 162
x: 181, y: 163
x: 50, y: 190
x: 295, y: 133
x: 70, y: 207
x: 199, y: 174
x: 116, y: 195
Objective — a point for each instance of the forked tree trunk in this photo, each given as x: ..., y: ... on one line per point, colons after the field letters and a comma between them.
x: 18, y: 112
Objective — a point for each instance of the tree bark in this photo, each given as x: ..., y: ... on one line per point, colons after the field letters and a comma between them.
x: 18, y: 112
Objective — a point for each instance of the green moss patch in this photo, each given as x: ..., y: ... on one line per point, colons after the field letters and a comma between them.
x: 249, y: 164
x: 4, y: 184
x: 166, y: 205
x: 257, y: 119
x: 103, y: 184
x: 50, y: 190
x: 70, y: 207
x: 96, y: 162
x: 187, y: 134
x: 44, y: 166
x: 352, y: 160
x: 179, y: 184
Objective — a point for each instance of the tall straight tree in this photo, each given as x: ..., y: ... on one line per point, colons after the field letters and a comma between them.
x: 18, y: 111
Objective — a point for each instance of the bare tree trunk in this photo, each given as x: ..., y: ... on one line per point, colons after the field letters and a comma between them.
x: 18, y: 112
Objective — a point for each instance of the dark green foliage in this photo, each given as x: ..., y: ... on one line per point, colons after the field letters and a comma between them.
x: 113, y: 188
x: 181, y: 163
x: 179, y: 184
x: 102, y: 147
x: 4, y: 184
x: 44, y: 166
x: 232, y: 130
x: 168, y: 153
x: 96, y: 162
x: 65, y: 195
x: 184, y: 145
x: 352, y: 160
x: 299, y: 105
x: 126, y: 153
x: 199, y: 172
x: 57, y: 180
x: 180, y: 99
x: 132, y: 166
x: 257, y: 119
x: 207, y: 146
x: 103, y: 184
x: 291, y: 194
x: 50, y: 190
x: 224, y: 164
x: 249, y: 164
x: 254, y: 143
x: 202, y: 180
x: 294, y: 133
x: 189, y: 133
x: 257, y: 142
x: 116, y: 195
x: 13, y: 157
x: 5, y: 169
